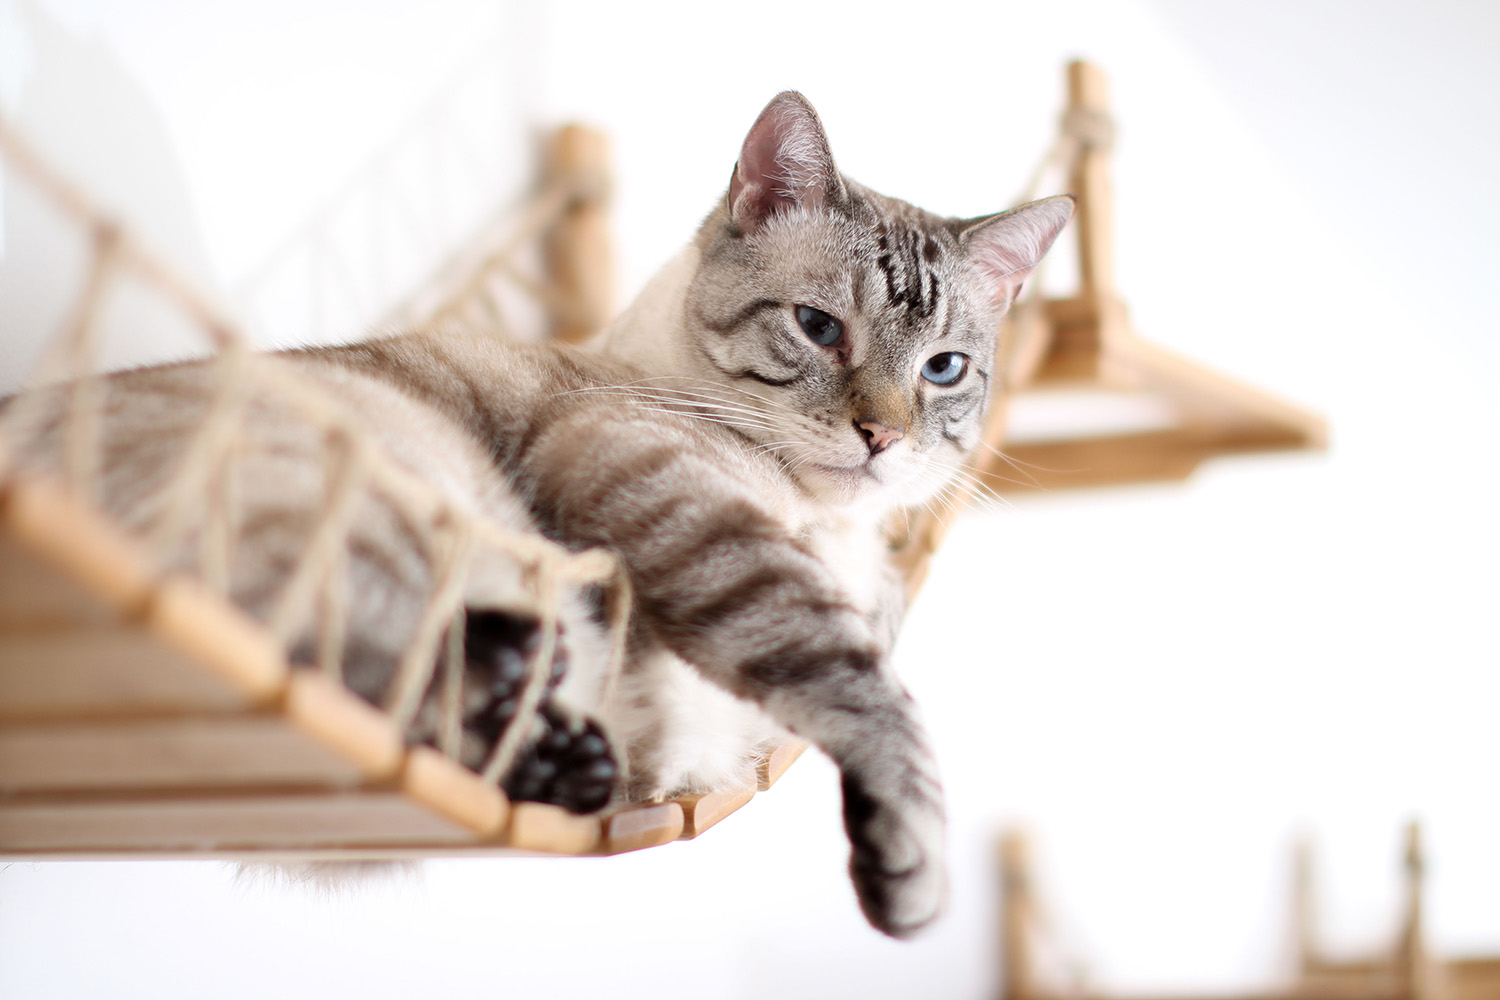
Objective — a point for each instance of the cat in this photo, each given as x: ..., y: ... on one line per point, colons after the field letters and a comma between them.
x: 817, y: 358
x: 847, y: 334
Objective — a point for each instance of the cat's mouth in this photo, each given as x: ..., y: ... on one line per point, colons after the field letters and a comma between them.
x: 842, y: 483
x: 890, y: 480
x: 857, y: 470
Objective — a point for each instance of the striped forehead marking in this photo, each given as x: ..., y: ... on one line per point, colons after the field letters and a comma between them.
x: 906, y: 259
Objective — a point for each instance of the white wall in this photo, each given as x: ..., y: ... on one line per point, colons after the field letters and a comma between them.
x: 1163, y: 684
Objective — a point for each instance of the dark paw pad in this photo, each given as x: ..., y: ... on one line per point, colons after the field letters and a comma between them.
x: 570, y: 765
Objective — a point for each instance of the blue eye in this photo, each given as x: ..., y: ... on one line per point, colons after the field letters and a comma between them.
x: 820, y: 327
x: 945, y: 368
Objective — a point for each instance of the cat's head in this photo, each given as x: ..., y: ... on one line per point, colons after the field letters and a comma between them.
x: 851, y: 334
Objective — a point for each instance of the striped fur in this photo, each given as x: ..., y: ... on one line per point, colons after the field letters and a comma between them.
x: 728, y: 557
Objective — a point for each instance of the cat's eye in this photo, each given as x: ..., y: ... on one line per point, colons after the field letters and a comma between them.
x: 820, y: 327
x: 945, y: 368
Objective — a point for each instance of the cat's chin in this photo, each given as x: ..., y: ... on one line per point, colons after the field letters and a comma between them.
x: 843, y: 486
x: 838, y: 485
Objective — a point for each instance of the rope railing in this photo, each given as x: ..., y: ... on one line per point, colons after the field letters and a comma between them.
x: 198, y: 497
x: 392, y: 217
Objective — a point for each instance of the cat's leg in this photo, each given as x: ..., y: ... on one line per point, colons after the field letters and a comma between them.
x: 682, y: 734
x: 811, y: 664
x: 722, y: 582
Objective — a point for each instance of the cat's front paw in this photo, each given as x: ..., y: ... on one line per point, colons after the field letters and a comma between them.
x: 897, y: 862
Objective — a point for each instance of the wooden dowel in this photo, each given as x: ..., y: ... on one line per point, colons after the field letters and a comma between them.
x: 1016, y: 918
x: 1088, y: 120
x: 577, y: 249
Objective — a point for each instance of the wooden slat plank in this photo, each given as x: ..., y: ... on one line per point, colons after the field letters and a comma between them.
x: 1147, y: 456
x: 257, y: 821
x: 61, y: 563
x: 770, y: 770
x: 118, y: 669
x: 1213, y: 397
x: 217, y: 636
x: 195, y: 752
x: 699, y: 812
x: 345, y: 724
x: 35, y: 595
x: 550, y: 830
x: 454, y: 791
x: 641, y: 827
x: 1144, y: 457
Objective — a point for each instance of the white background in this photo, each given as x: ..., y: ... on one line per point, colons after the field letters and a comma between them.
x: 1163, y: 684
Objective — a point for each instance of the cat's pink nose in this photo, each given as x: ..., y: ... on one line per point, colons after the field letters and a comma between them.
x: 878, y: 437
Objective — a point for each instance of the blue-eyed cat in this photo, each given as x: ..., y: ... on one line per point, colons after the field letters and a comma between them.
x: 847, y: 341
x: 817, y: 358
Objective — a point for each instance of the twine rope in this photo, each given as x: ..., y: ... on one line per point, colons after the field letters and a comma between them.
x: 344, y: 468
x: 449, y: 549
x: 450, y: 732
x: 539, y: 671
x: 209, y: 448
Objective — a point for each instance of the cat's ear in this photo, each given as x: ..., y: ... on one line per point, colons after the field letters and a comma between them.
x: 1008, y: 247
x: 784, y: 163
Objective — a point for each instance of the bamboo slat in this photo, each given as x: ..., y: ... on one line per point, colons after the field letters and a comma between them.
x: 61, y: 564
x: 699, y: 812
x: 774, y: 765
x: 551, y: 830
x: 454, y: 791
x: 641, y: 827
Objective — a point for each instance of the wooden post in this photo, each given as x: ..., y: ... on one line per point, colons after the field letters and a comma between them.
x: 1088, y: 121
x: 1303, y: 909
x: 1017, y: 915
x: 1412, y: 973
x: 576, y: 251
x: 1081, y: 326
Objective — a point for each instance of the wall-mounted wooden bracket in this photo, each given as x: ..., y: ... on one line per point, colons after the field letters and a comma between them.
x: 1138, y: 413
x: 1085, y: 342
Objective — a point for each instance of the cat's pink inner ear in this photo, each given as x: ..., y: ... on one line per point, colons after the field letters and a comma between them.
x: 784, y: 163
x: 1008, y: 247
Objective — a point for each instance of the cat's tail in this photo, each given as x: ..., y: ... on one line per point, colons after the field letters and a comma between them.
x: 334, y: 879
